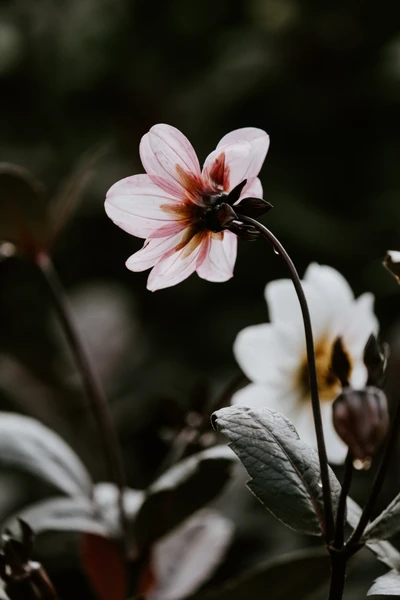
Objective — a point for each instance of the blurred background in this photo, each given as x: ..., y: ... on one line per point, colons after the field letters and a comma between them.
x: 323, y: 79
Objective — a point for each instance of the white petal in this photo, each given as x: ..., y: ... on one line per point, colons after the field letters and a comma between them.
x: 332, y: 285
x: 252, y: 189
x: 258, y: 396
x: 152, y: 251
x: 268, y: 354
x: 335, y: 448
x: 227, y: 166
x: 135, y: 204
x: 220, y: 257
x: 257, y: 138
x: 358, y: 324
x: 174, y: 267
x: 164, y: 150
x: 283, y: 307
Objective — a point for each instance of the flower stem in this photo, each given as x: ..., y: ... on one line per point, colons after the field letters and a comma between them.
x: 323, y: 460
x: 341, y: 513
x: 378, y: 481
x: 338, y: 575
x: 94, y: 390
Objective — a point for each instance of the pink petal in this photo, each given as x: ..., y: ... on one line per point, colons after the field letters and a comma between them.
x: 227, y: 166
x: 259, y: 141
x: 219, y: 258
x: 174, y: 267
x: 252, y: 189
x: 152, y: 251
x: 166, y: 155
x: 135, y: 204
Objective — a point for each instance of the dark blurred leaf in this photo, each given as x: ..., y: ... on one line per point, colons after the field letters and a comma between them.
x: 181, y: 491
x: 290, y: 576
x: 27, y: 445
x: 62, y: 514
x: 105, y: 497
x: 386, y: 585
x: 284, y: 471
x: 387, y: 524
x: 383, y: 550
x: 23, y: 219
x: 105, y: 567
x: 72, y: 189
x: 187, y: 557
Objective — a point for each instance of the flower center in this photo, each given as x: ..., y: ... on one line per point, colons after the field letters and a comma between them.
x: 328, y: 384
x: 211, y: 215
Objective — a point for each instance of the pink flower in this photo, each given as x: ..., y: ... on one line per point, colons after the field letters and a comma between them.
x: 184, y: 213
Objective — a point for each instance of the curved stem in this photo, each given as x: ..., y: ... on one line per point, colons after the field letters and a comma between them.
x: 378, y: 481
x: 341, y: 513
x: 94, y: 390
x: 323, y: 460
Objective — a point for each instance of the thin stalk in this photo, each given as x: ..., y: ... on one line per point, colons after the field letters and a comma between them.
x: 323, y: 460
x: 338, y: 575
x: 378, y: 481
x: 94, y: 390
x: 341, y: 513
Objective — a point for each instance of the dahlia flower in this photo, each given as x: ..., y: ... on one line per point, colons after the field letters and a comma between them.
x: 190, y: 218
x: 274, y: 358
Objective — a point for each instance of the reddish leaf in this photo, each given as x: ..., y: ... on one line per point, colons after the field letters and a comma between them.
x: 104, y: 566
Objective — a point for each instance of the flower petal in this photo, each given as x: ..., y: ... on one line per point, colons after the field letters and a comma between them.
x: 135, y: 204
x: 228, y: 166
x: 335, y: 448
x: 258, y: 396
x: 219, y: 257
x: 331, y: 284
x: 152, y: 251
x: 268, y: 354
x: 169, y: 159
x: 175, y: 265
x: 283, y: 307
x: 252, y: 189
x: 358, y: 325
x: 259, y: 141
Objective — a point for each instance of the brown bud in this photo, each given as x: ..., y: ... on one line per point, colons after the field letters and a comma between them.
x: 361, y: 420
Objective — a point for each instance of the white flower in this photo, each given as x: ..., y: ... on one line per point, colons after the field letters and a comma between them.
x: 273, y: 355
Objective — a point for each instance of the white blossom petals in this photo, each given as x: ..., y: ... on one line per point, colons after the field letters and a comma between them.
x: 135, y: 204
x: 152, y: 251
x: 174, y: 267
x: 259, y: 141
x: 227, y: 166
x: 335, y: 448
x: 258, y: 396
x: 283, y: 307
x: 267, y: 353
x: 219, y: 257
x: 331, y: 284
x: 252, y: 189
x: 358, y: 325
x: 166, y: 154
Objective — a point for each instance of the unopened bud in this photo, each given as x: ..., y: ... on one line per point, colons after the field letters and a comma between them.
x: 252, y: 207
x: 361, y: 420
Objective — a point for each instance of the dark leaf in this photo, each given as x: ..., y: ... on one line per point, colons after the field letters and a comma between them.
x: 27, y: 445
x: 23, y: 216
x: 105, y: 567
x: 290, y: 576
x: 180, y: 491
x: 284, y: 471
x: 252, y: 207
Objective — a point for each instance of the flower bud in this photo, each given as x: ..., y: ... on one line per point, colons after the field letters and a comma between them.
x: 252, y: 207
x: 361, y: 420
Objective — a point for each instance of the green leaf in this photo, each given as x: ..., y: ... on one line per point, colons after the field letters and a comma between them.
x: 387, y: 524
x: 181, y: 491
x: 23, y: 214
x: 386, y: 585
x: 284, y: 470
x: 29, y: 446
x: 62, y: 514
x: 293, y: 575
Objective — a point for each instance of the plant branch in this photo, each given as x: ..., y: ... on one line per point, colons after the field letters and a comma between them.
x: 323, y: 460
x: 94, y: 390
x: 338, y: 575
x: 341, y: 513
